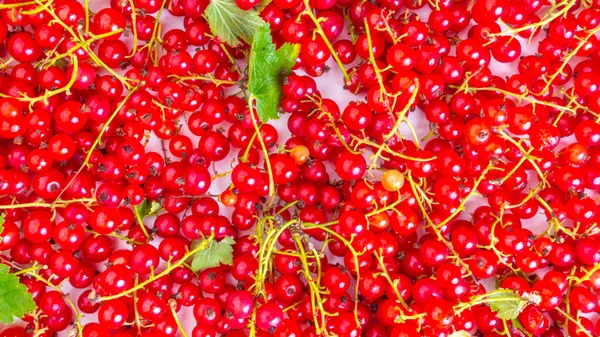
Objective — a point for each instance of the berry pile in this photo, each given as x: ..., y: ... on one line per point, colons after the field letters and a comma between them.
x: 353, y: 222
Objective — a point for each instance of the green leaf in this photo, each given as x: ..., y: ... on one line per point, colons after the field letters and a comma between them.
x: 266, y: 69
x: 147, y: 207
x: 507, y: 304
x: 214, y: 255
x: 15, y: 300
x: 230, y: 23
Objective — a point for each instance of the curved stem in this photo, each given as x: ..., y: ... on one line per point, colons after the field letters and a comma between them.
x: 568, y: 57
x: 67, y: 298
x: 140, y: 221
x: 354, y: 253
x: 170, y: 267
x: 535, y: 166
x: 542, y: 23
x: 319, y: 30
x: 208, y: 77
x: 265, y: 251
x: 433, y: 227
x: 133, y: 28
x: 523, y: 97
x: 18, y: 4
x: 386, y: 275
x: 390, y: 151
x: 177, y: 321
x: 263, y: 146
x: 580, y: 328
x: 56, y: 204
x: 99, y: 138
x: 316, y: 301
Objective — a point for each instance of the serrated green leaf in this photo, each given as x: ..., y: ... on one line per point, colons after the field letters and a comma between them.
x: 230, y: 23
x: 216, y: 254
x: 147, y: 207
x: 15, y: 300
x: 266, y: 69
x: 507, y: 304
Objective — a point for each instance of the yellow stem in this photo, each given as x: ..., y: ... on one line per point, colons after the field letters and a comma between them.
x: 263, y: 146
x: 320, y: 31
x: 568, y: 57
x: 170, y: 267
x: 56, y: 204
x: 172, y: 307
x: 515, y: 31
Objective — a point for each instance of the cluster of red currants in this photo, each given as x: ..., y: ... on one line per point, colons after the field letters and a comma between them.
x: 355, y: 222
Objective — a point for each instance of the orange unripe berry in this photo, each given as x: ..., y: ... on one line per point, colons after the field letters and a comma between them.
x: 228, y: 198
x: 300, y: 154
x: 392, y: 180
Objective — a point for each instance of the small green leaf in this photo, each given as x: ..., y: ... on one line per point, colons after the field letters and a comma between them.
x: 267, y: 67
x: 15, y: 300
x: 147, y: 207
x: 506, y: 304
x: 230, y: 23
x: 216, y: 254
